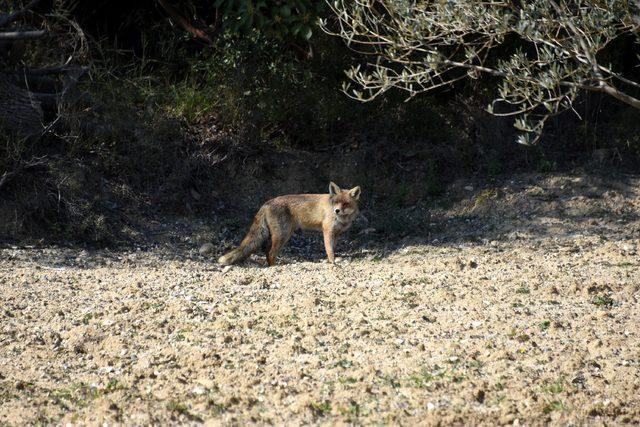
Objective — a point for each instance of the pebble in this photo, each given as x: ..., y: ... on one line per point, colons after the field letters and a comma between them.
x: 206, y: 249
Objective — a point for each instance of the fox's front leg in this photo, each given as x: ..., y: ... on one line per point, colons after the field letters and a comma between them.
x: 329, y: 242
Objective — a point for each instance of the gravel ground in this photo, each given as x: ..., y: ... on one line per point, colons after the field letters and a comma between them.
x: 521, y: 305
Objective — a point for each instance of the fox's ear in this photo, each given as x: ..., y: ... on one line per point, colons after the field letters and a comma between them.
x: 355, y: 192
x: 333, y: 189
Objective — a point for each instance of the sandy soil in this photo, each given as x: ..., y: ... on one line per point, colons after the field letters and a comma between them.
x: 521, y: 305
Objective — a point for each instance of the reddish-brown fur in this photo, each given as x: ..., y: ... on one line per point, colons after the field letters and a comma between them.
x: 278, y: 218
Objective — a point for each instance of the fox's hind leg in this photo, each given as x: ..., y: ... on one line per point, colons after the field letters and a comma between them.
x: 266, y: 246
x: 280, y: 230
x: 277, y: 242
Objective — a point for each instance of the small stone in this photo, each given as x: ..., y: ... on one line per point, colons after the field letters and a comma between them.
x: 367, y: 231
x: 506, y: 419
x: 468, y: 188
x: 226, y: 268
x: 205, y: 249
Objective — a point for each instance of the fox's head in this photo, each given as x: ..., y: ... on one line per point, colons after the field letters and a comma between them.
x: 344, y: 202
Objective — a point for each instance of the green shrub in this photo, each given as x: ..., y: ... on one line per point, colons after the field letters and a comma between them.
x: 279, y: 18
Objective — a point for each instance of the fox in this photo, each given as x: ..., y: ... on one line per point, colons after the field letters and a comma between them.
x: 280, y: 217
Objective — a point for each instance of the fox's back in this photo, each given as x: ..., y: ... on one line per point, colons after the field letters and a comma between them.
x: 305, y: 210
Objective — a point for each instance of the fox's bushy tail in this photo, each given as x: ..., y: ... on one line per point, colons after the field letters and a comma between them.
x: 256, y: 236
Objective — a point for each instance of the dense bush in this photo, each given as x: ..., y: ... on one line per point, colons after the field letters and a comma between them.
x: 279, y: 18
x: 254, y: 85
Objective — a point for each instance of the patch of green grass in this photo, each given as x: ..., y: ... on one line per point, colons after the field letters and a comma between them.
x: 544, y: 325
x: 476, y: 364
x: 392, y: 381
x: 175, y: 406
x: 344, y: 363
x: 182, y: 409
x: 523, y: 290
x: 458, y: 378
x: 352, y: 411
x: 410, y: 299
x: 78, y: 394
x: 320, y: 409
x: 626, y: 264
x: 348, y: 380
x: 215, y: 407
x: 426, y: 376
x: 603, y: 301
x: 555, y: 387
x: 86, y: 318
x: 274, y: 333
x: 555, y: 405
x: 113, y: 385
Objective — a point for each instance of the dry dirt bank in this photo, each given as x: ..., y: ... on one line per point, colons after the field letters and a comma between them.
x: 522, y: 304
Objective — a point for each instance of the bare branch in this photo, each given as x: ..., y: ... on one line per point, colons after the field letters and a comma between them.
x: 22, y: 35
x: 184, y: 23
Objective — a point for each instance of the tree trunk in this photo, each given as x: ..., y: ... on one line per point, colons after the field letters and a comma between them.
x: 20, y: 113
